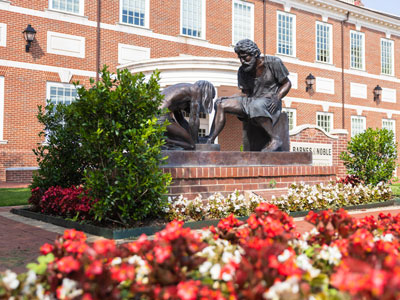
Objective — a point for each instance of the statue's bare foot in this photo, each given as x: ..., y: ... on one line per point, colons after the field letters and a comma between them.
x: 272, y: 146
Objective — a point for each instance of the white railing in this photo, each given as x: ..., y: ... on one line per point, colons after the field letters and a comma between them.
x: 348, y: 1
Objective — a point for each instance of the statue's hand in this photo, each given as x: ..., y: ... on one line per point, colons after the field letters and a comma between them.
x: 273, y: 106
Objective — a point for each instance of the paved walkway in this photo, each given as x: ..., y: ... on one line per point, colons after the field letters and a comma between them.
x: 21, y: 238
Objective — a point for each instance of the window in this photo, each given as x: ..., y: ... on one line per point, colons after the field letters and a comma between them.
x: 135, y: 12
x: 61, y: 93
x: 291, y: 113
x: 357, y: 57
x: 324, y: 42
x: 243, y: 21
x: 325, y: 121
x: 358, y: 125
x: 69, y: 6
x: 387, y: 57
x: 286, y: 34
x: 193, y: 18
x: 202, y: 132
x: 390, y: 125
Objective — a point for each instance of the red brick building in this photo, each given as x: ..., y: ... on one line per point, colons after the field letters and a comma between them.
x: 348, y: 48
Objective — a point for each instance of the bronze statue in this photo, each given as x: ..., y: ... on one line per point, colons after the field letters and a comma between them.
x: 192, y: 98
x: 264, y: 82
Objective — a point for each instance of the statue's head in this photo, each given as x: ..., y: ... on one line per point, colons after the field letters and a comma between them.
x: 207, y: 94
x: 248, y: 53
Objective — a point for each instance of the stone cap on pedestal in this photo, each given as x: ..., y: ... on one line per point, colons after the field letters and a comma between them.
x: 214, y: 158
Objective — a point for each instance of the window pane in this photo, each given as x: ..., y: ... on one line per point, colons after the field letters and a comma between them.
x: 356, y: 50
x: 291, y: 113
x: 65, y: 95
x: 133, y: 12
x: 387, y: 57
x: 242, y: 21
x: 324, y: 120
x: 191, y: 17
x: 357, y: 125
x: 285, y: 34
x: 323, y: 42
x: 66, y: 5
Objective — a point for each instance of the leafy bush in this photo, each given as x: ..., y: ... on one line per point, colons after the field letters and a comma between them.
x: 60, y: 160
x: 342, y: 257
x: 302, y: 197
x: 371, y: 156
x: 109, y: 140
x: 117, y: 123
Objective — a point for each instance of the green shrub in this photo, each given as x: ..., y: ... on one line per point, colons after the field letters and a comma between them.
x: 117, y: 123
x: 110, y: 141
x: 59, y: 158
x: 371, y: 156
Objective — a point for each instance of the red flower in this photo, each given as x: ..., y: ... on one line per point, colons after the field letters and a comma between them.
x: 188, y: 290
x: 162, y: 253
x: 46, y: 249
x: 104, y: 246
x: 68, y: 264
x: 95, y: 268
x: 122, y: 273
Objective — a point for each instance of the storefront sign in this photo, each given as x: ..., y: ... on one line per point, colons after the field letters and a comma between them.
x: 322, y: 153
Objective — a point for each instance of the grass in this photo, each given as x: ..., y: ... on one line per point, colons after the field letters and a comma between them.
x: 13, y: 197
x: 395, y: 189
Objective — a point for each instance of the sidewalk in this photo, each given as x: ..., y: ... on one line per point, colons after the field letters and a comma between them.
x: 21, y: 238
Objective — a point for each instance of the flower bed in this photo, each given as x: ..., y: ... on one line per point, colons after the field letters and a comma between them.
x: 264, y: 258
x: 303, y: 197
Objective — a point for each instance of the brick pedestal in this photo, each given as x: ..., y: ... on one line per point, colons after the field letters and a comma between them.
x: 266, y: 176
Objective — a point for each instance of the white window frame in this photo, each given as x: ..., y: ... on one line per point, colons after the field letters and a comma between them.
x: 3, y: 35
x: 330, y: 39
x: 364, y: 120
x: 391, y: 42
x: 325, y: 114
x: 81, y: 8
x: 294, y: 112
x: 293, y: 33
x: 251, y: 5
x: 362, y: 52
x: 1, y: 108
x: 203, y: 21
x: 146, y: 15
x: 393, y: 126
x: 51, y: 84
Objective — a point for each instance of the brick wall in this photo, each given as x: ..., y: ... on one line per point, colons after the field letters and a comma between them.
x: 25, y: 85
x: 268, y: 180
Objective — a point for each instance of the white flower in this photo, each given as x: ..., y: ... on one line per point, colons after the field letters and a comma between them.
x: 330, y: 254
x: 204, y: 267
x: 29, y: 281
x: 68, y: 289
x: 116, y: 261
x: 289, y: 286
x: 303, y: 262
x: 10, y: 280
x: 215, y: 271
x: 284, y: 256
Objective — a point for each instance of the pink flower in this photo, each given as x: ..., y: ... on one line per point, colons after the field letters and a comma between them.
x: 46, y: 249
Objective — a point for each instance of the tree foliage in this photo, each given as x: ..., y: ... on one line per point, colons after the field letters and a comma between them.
x: 371, y: 156
x: 112, y: 134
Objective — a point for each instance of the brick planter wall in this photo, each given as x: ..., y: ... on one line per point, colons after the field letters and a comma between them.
x: 191, y: 181
x: 19, y: 174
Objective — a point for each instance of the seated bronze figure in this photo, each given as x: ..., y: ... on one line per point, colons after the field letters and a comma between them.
x: 264, y: 82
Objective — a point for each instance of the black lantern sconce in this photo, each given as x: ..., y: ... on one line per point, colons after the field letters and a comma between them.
x: 29, y: 35
x: 377, y: 93
x: 310, y: 81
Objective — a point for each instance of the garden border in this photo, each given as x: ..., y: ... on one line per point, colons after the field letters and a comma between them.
x: 151, y: 230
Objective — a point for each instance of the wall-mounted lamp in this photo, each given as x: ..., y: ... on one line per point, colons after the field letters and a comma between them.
x: 377, y: 93
x: 310, y: 81
x: 29, y: 35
